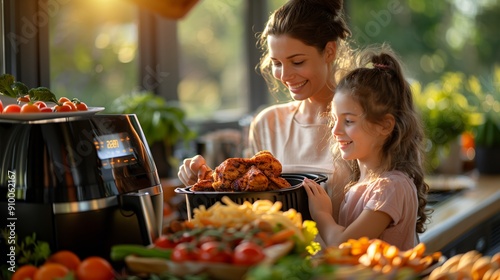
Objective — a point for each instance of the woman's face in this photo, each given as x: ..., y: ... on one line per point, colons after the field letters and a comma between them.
x: 301, y: 68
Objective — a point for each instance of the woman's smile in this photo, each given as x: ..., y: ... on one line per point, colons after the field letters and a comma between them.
x: 296, y: 87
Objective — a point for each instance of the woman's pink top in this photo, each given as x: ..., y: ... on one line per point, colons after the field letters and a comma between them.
x: 393, y: 193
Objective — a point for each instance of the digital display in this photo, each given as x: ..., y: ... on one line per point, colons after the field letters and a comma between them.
x: 114, y: 148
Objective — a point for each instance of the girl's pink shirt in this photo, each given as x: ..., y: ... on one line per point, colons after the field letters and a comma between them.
x: 393, y: 193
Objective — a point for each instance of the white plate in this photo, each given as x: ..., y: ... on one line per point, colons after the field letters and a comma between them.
x: 53, y: 115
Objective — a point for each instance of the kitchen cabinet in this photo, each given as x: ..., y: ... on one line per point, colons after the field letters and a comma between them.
x: 484, y: 238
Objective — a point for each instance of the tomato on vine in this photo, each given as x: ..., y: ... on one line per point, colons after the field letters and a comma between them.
x: 80, y: 106
x: 71, y: 104
x: 40, y: 104
x: 30, y: 108
x: 62, y: 108
x: 46, y: 110
x: 95, y: 268
x: 12, y: 108
x: 25, y: 98
x: 63, y: 99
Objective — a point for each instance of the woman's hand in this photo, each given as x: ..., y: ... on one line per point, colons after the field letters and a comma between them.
x: 319, y: 200
x: 191, y: 169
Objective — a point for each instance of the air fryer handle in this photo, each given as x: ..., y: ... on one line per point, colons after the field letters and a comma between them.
x: 146, y: 207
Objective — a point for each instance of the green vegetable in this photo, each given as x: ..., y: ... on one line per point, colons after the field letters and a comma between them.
x: 20, y: 89
x: 6, y: 82
x: 30, y: 250
x: 119, y: 252
x: 42, y: 94
x: 290, y: 267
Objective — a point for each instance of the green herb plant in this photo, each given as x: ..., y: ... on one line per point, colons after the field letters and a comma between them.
x: 484, y: 96
x: 29, y: 251
x: 445, y: 112
x: 161, y: 121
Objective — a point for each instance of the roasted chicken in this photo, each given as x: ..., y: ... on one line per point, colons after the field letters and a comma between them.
x: 258, y: 173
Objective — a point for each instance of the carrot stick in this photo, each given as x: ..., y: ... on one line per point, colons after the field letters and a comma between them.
x: 282, y: 235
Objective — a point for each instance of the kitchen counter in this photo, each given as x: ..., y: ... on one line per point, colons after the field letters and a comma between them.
x: 459, y: 214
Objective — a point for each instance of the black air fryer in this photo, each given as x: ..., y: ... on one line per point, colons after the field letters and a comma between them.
x: 81, y: 183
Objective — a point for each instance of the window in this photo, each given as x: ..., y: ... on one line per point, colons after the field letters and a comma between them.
x: 97, y: 50
x: 93, y: 50
x: 218, y: 56
x: 212, y: 60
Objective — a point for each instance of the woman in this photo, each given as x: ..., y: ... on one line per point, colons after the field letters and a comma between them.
x: 305, y: 46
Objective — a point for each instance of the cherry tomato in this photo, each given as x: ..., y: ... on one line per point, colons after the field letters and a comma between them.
x: 214, y: 251
x: 71, y: 104
x: 50, y: 271
x: 95, y: 268
x: 12, y: 108
x: 65, y: 257
x: 46, y: 110
x: 80, y: 106
x: 40, y: 104
x: 62, y: 108
x: 186, y: 251
x: 30, y: 108
x: 185, y: 237
x: 26, y: 271
x: 25, y: 98
x: 248, y: 253
x: 164, y: 242
x: 1, y: 106
x: 63, y: 99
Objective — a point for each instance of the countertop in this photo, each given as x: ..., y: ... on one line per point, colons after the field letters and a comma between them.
x: 462, y: 212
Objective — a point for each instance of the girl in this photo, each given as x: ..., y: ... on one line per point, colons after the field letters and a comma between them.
x: 304, y: 44
x: 378, y: 132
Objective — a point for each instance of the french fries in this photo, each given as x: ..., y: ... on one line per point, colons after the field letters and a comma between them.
x: 231, y: 214
x: 381, y: 256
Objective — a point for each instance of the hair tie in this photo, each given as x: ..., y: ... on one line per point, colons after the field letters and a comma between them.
x: 380, y: 66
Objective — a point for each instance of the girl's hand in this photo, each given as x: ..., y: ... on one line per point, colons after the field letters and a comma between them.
x: 191, y: 169
x: 319, y: 200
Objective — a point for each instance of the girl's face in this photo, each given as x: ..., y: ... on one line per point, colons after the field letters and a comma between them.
x: 357, y: 138
x: 301, y: 68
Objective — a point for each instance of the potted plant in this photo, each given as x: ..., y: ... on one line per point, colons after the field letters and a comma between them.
x: 445, y: 114
x: 484, y: 94
x: 163, y: 124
